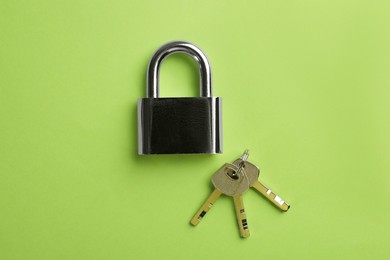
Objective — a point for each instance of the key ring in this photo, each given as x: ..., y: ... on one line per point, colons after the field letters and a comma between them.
x: 244, y: 157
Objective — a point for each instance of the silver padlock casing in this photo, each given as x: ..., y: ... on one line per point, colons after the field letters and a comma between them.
x: 188, y: 125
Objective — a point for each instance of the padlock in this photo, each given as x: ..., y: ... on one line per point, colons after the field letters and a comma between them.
x: 188, y: 125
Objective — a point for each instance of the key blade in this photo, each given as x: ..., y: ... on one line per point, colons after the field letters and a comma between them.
x: 205, y: 207
x: 271, y: 196
x: 241, y: 216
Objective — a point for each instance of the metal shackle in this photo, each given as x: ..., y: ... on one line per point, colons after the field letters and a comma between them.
x: 153, y: 73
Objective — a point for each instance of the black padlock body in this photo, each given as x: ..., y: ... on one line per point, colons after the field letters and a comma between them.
x: 179, y: 125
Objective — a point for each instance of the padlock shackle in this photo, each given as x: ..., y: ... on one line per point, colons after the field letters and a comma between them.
x: 153, y: 73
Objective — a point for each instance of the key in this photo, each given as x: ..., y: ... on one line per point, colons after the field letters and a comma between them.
x: 241, y: 216
x: 222, y: 183
x: 253, y: 173
x: 226, y: 187
x: 237, y: 199
x: 206, y: 207
x: 271, y: 196
x: 230, y: 180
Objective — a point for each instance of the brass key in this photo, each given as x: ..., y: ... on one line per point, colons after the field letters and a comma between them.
x: 241, y: 216
x: 253, y: 173
x: 205, y: 207
x: 230, y: 180
x: 223, y: 184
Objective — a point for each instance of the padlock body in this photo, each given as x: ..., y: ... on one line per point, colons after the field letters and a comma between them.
x: 179, y: 125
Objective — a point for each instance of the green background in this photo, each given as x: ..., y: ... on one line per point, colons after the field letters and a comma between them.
x: 305, y: 87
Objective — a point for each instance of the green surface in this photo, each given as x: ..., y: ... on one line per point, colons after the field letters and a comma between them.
x: 305, y: 86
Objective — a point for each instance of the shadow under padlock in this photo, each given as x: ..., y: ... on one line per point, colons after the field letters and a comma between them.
x: 185, y: 125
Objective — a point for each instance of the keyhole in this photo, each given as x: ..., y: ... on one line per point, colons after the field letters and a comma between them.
x: 232, y: 174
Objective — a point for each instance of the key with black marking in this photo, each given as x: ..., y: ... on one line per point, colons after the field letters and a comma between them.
x: 230, y: 180
x: 206, y: 207
x: 237, y: 196
x: 241, y: 216
x: 225, y: 181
